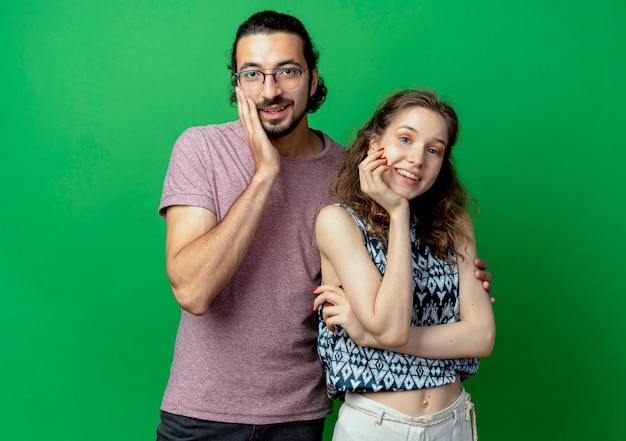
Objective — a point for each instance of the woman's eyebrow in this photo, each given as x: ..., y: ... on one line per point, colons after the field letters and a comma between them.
x: 414, y: 130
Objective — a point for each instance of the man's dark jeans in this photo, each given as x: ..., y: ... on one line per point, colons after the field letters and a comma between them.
x: 180, y: 428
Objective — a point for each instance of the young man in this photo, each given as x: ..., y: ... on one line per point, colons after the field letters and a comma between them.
x: 241, y: 199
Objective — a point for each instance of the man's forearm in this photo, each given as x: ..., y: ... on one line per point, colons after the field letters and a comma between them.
x: 200, y: 270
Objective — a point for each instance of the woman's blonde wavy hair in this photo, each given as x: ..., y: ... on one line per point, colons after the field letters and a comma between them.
x: 438, y: 211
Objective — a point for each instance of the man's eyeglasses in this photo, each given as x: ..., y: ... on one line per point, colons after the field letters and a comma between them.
x: 286, y: 78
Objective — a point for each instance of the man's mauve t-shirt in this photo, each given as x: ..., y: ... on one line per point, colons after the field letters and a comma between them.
x: 252, y: 357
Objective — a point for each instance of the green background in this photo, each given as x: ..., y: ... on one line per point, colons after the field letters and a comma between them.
x: 94, y: 94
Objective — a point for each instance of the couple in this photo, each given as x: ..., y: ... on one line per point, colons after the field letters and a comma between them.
x: 241, y: 201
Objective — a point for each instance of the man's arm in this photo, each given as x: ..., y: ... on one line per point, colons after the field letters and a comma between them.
x: 201, y: 254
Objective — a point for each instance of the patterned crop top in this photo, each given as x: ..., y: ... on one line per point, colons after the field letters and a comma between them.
x: 349, y: 367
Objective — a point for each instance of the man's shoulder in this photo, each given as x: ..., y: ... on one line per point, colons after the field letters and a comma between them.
x: 226, y: 129
x: 331, y: 145
x: 212, y: 136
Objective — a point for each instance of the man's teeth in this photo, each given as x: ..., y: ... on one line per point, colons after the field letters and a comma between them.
x: 408, y: 175
x: 274, y: 110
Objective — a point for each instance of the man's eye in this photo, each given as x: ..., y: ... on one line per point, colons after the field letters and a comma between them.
x: 251, y: 74
x: 287, y: 72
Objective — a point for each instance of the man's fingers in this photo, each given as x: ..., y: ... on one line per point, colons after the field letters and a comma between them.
x: 483, y: 275
x: 480, y: 263
x: 487, y: 287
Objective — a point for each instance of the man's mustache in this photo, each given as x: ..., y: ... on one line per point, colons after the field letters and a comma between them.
x: 273, y: 102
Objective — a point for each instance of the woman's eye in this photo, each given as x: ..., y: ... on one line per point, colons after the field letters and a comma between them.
x: 404, y: 139
x: 435, y: 151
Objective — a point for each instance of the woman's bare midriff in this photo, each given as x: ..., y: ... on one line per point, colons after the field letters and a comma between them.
x: 420, y: 402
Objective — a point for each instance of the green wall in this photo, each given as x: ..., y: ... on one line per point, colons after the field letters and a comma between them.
x: 94, y: 94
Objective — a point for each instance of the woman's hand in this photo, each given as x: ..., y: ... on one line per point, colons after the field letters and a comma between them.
x: 371, y: 170
x: 337, y: 312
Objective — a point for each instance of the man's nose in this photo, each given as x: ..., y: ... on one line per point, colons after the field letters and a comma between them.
x: 270, y: 87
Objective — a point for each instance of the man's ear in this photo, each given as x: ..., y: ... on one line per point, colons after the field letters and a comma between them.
x: 374, y: 143
x: 314, y: 79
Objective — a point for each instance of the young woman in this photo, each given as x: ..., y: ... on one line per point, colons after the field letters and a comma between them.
x: 410, y: 319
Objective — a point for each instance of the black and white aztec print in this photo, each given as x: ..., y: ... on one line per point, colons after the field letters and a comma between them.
x: 349, y: 367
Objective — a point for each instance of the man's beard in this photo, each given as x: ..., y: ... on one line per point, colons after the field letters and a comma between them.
x: 274, y: 130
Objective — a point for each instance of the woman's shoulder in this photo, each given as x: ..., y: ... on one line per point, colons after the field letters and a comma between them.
x: 340, y: 212
x: 334, y: 213
x: 338, y: 218
x: 339, y: 224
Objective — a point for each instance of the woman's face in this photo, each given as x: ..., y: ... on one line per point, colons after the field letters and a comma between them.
x: 414, y: 143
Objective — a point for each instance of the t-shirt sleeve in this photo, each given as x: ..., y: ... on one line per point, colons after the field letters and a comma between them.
x: 189, y: 174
